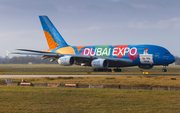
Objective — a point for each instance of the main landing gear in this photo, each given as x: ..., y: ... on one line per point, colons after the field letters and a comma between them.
x: 100, y: 70
x: 117, y: 70
x: 164, y: 69
x: 105, y: 70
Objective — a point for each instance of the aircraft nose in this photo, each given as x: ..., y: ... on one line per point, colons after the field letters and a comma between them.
x: 172, y: 59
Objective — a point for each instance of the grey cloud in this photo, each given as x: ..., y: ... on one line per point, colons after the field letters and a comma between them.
x: 161, y: 24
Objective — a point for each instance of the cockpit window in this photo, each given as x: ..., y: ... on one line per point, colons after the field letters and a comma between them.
x: 167, y: 53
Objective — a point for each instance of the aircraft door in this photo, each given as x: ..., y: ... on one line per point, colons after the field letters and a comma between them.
x: 157, y: 56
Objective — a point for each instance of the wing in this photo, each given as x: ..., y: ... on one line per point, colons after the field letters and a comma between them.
x: 78, y: 58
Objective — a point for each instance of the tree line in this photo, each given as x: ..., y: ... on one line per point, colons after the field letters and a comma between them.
x: 37, y: 60
x: 25, y: 60
x: 177, y: 62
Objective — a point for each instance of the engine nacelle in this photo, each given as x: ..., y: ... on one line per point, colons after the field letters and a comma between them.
x: 146, y: 66
x: 100, y: 63
x: 66, y: 60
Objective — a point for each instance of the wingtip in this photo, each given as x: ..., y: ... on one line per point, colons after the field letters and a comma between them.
x: 7, y: 52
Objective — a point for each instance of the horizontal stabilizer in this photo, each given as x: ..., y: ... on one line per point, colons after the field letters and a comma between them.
x: 43, y: 54
x: 36, y: 51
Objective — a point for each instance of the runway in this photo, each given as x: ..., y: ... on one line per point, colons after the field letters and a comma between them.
x: 40, y: 76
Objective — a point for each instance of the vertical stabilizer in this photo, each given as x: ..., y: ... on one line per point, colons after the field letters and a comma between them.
x: 53, y: 37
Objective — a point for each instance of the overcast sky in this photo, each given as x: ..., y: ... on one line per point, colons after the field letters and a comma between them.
x: 91, y: 22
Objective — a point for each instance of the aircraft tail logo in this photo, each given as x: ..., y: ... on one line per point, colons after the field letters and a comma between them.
x: 52, y: 35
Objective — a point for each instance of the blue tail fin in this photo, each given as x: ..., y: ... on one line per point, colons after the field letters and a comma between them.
x: 53, y: 37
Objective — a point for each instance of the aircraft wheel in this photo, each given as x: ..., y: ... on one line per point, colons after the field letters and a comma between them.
x: 94, y: 70
x: 117, y: 70
x: 109, y: 70
x: 100, y: 70
x: 164, y: 70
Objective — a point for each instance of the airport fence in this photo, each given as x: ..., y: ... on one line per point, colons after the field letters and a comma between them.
x: 134, y: 87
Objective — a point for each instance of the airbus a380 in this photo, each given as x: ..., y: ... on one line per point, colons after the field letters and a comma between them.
x: 99, y: 57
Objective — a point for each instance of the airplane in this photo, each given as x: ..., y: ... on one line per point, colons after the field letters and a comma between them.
x: 99, y: 57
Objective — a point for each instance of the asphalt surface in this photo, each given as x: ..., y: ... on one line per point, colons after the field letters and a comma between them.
x: 40, y: 76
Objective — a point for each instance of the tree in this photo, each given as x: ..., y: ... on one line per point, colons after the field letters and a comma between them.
x: 25, y: 60
x: 177, y: 62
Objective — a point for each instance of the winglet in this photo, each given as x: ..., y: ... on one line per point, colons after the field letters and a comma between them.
x: 7, y: 52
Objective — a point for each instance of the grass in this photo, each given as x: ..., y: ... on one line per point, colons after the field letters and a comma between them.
x: 85, y: 100
x: 80, y: 100
x: 113, y: 80
x: 42, y: 69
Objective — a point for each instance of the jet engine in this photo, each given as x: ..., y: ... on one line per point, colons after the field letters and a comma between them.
x: 100, y: 63
x: 66, y: 60
x: 146, y: 66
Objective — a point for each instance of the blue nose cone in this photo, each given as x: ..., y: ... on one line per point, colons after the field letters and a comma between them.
x: 171, y: 59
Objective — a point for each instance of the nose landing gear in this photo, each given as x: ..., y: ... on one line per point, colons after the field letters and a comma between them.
x: 164, y: 69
